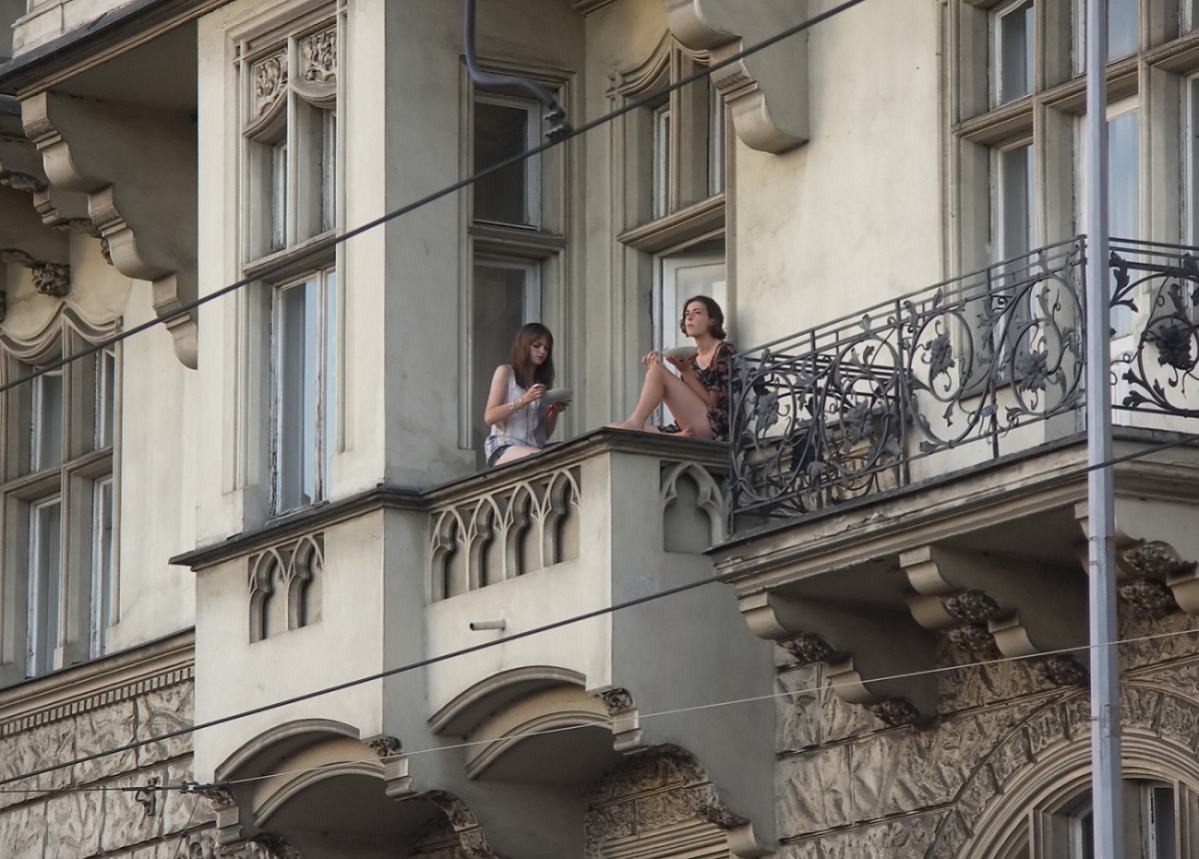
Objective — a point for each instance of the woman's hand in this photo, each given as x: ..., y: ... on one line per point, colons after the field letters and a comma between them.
x: 683, y: 365
x: 555, y: 409
x: 535, y: 393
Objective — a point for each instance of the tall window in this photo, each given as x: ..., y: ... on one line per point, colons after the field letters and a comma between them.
x: 517, y: 233
x: 304, y: 332
x: 290, y: 171
x: 1013, y: 34
x: 58, y: 493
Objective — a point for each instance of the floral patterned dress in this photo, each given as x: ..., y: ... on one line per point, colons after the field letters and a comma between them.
x: 714, y: 377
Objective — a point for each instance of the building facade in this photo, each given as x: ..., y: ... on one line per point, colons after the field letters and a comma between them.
x: 224, y: 518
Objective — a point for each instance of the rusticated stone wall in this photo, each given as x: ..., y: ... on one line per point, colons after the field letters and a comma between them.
x: 83, y: 811
x: 850, y: 786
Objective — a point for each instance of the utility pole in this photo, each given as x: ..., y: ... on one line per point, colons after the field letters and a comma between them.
x: 1105, y: 658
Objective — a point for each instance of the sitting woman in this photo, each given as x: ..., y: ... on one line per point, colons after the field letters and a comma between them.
x: 699, y: 396
x: 519, y: 418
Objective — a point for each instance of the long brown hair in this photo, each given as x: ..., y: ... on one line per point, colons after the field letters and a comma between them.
x: 526, y: 373
x: 715, y: 314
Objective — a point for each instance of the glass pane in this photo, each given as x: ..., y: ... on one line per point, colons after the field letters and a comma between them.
x: 1161, y: 824
x: 299, y: 320
x: 1121, y: 28
x: 45, y: 587
x: 279, y: 196
x: 106, y: 374
x: 501, y: 132
x: 101, y: 565
x: 328, y: 170
x: 329, y: 405
x: 1016, y: 52
x: 1123, y: 192
x: 46, y: 429
x: 661, y: 160
x: 502, y: 299
x: 1016, y: 198
x: 715, y: 141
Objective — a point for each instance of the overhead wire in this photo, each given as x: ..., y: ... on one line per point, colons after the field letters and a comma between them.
x: 497, y: 642
x: 322, y: 246
x: 833, y: 686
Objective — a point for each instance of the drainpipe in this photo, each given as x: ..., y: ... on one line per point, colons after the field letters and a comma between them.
x: 559, y: 127
x: 1106, y: 796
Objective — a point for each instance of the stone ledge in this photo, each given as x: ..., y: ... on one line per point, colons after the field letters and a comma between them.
x: 87, y: 687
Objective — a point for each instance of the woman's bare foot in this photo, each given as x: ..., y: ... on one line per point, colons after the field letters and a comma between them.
x: 627, y: 425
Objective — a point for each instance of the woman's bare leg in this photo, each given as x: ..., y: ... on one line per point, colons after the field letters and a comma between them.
x: 515, y: 452
x: 663, y: 386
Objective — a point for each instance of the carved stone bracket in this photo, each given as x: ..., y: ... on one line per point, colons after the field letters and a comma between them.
x: 767, y: 93
x: 626, y: 721
x: 100, y: 151
x: 396, y: 775
x: 860, y: 648
x: 989, y: 606
x: 51, y: 278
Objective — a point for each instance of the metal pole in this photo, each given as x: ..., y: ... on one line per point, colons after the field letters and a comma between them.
x: 1105, y: 682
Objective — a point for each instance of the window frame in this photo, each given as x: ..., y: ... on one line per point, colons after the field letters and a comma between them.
x: 327, y: 288
x: 531, y: 167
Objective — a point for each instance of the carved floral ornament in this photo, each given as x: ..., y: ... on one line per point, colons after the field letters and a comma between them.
x: 318, y: 56
x: 269, y: 77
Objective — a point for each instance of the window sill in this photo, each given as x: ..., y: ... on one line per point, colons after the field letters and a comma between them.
x: 298, y: 258
x: 699, y: 221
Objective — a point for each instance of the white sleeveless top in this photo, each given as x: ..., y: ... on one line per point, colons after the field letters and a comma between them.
x: 524, y: 426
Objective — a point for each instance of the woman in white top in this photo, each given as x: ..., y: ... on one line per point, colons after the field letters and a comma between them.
x: 520, y: 420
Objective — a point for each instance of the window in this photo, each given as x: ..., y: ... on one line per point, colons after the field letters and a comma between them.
x: 1013, y: 51
x: 45, y: 588
x: 1014, y: 197
x: 506, y: 127
x: 1149, y: 812
x: 516, y: 234
x: 290, y: 175
x: 290, y: 129
x: 58, y: 494
x: 304, y: 331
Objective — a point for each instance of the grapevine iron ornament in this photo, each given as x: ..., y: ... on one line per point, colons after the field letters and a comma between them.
x: 865, y: 405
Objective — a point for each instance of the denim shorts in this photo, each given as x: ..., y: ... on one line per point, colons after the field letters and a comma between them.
x: 496, y: 454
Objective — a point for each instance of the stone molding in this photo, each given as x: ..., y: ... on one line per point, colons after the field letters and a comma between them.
x: 767, y: 93
x: 98, y: 684
x: 515, y: 529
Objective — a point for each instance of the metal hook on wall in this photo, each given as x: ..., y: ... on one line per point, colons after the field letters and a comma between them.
x: 556, y: 115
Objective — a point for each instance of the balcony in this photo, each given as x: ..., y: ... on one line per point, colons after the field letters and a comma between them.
x: 596, y: 729
x: 914, y: 476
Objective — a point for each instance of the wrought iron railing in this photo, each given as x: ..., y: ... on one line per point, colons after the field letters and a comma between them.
x: 955, y: 375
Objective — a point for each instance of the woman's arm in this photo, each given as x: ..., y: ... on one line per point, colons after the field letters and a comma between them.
x: 498, y: 409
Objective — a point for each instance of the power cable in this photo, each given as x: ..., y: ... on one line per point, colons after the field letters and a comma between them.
x: 193, y: 787
x: 324, y: 245
x: 516, y: 636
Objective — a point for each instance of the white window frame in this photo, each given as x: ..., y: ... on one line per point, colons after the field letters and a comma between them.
x: 102, y: 565
x: 1190, y: 112
x: 998, y: 68
x: 324, y: 441
x: 37, y: 455
x: 531, y: 166
x: 37, y: 662
x: 660, y: 146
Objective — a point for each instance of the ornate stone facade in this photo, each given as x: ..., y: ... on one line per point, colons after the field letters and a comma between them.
x: 110, y: 806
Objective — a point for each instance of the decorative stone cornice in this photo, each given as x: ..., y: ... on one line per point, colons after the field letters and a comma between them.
x: 808, y: 647
x: 97, y: 684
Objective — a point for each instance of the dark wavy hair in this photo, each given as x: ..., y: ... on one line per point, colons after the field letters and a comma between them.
x: 714, y: 312
x: 526, y: 373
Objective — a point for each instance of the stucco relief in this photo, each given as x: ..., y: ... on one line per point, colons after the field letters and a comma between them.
x: 269, y: 76
x: 1162, y: 715
x: 658, y: 789
x: 318, y: 56
x: 909, y: 836
x: 163, y: 711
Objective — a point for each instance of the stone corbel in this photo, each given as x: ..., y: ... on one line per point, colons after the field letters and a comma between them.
x: 993, y: 606
x: 626, y: 721
x: 767, y: 93
x: 396, y: 777
x: 225, y: 809
x: 1155, y: 547
x: 860, y: 647
x: 137, y: 169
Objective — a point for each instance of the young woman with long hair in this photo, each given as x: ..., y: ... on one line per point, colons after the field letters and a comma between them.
x: 697, y: 397
x: 517, y: 414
